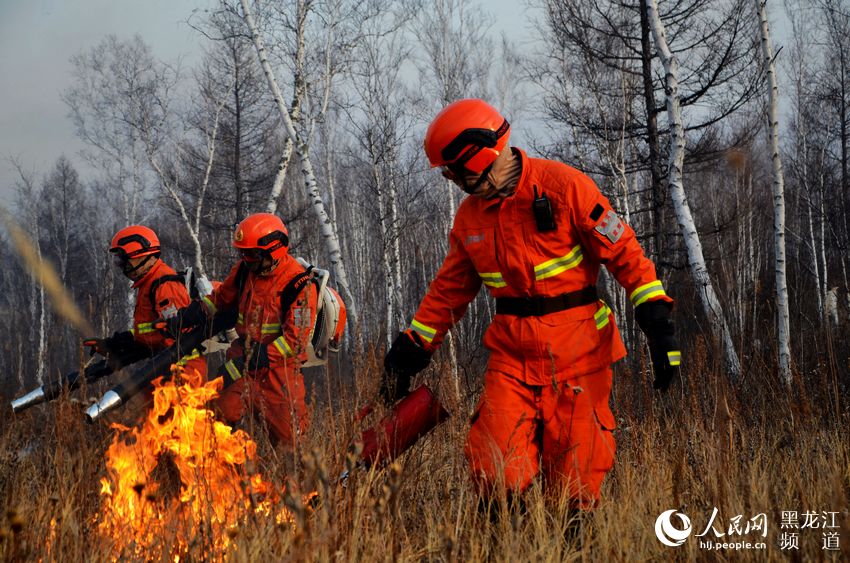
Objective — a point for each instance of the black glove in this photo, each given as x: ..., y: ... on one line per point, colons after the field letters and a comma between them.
x: 653, y: 318
x: 115, y: 344
x: 406, y: 358
x: 233, y: 370
x: 187, y: 318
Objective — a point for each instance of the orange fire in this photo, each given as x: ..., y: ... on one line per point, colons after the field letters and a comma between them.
x: 216, y: 492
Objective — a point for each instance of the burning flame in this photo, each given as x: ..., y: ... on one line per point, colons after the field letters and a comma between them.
x: 216, y: 492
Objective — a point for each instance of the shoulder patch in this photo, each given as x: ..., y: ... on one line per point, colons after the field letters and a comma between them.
x: 169, y: 312
x: 597, y: 212
x: 611, y: 226
x: 302, y: 316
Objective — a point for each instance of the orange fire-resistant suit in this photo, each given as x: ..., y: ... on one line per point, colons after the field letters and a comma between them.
x: 276, y: 392
x: 548, y: 380
x: 155, y: 299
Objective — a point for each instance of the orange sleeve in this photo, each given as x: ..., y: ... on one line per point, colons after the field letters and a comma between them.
x: 456, y: 285
x: 170, y: 296
x: 226, y: 295
x: 613, y: 243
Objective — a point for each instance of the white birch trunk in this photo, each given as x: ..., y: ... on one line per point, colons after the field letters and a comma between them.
x: 328, y: 232
x: 171, y: 186
x: 171, y: 191
x: 822, y: 215
x: 696, y: 260
x: 810, y: 203
x: 42, y: 313
x: 42, y: 334
x: 395, y: 251
x: 782, y: 314
x: 832, y: 305
x: 282, y: 169
x: 211, y: 145
x: 329, y: 174
x: 383, y: 219
x: 295, y: 108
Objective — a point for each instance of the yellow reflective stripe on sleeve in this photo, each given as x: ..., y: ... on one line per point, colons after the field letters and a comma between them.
x: 674, y: 357
x: 602, y: 316
x: 232, y: 370
x: 422, y: 330
x: 283, y: 347
x: 556, y: 266
x: 133, y: 331
x: 188, y: 357
x: 270, y: 328
x: 210, y: 305
x: 646, y: 292
x: 144, y: 328
x: 493, y: 279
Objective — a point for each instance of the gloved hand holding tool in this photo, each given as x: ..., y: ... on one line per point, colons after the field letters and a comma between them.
x: 653, y: 318
x: 407, y: 357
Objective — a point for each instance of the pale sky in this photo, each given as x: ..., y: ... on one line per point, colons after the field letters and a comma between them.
x: 37, y: 39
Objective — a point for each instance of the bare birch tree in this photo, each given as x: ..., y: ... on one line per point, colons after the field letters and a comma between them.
x: 696, y: 260
x: 302, y: 149
x: 127, y: 89
x: 382, y: 128
x: 28, y: 196
x: 782, y: 315
x: 589, y: 38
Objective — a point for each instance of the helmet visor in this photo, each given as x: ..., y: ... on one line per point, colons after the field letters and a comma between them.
x: 119, y: 257
x: 251, y: 255
x: 454, y: 171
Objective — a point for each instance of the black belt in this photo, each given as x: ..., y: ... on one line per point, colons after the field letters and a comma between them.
x: 538, y: 305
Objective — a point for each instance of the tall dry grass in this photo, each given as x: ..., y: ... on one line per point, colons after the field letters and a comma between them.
x: 760, y: 448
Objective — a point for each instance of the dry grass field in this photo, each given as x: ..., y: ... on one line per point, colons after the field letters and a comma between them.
x: 756, y: 449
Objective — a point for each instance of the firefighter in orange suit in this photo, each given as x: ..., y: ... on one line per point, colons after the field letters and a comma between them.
x: 160, y: 293
x: 535, y: 232
x: 276, y: 309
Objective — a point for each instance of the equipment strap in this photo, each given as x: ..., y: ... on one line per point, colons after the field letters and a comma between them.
x: 164, y: 279
x: 291, y: 292
x: 538, y: 305
x: 287, y: 296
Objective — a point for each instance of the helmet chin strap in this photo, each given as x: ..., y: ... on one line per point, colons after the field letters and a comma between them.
x: 131, y: 272
x: 256, y: 267
x: 269, y: 269
x: 471, y: 190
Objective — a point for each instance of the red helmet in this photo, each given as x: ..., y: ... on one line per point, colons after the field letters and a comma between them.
x: 469, y: 133
x: 263, y: 232
x: 135, y: 241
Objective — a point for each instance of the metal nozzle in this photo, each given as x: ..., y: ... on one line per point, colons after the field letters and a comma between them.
x: 109, y: 402
x: 34, y: 397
